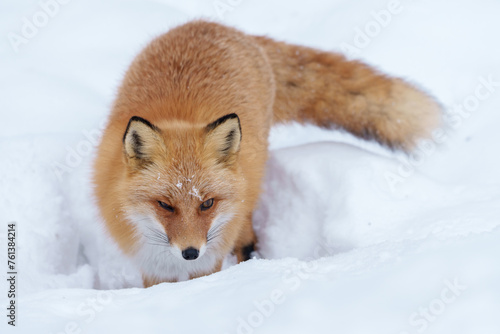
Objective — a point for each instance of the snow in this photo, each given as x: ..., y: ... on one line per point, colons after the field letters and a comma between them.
x: 353, y: 238
x: 194, y: 192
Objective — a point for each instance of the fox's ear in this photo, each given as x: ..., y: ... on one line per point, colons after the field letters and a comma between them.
x: 223, y: 138
x: 141, y: 141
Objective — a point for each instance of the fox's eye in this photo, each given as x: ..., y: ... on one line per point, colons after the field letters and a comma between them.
x: 166, y: 206
x: 207, y: 204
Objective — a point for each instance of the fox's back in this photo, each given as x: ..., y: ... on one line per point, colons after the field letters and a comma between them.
x: 197, y: 72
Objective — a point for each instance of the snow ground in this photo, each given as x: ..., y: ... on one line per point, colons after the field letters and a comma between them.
x: 355, y: 239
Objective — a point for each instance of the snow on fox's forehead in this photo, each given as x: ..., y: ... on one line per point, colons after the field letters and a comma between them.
x: 188, y: 184
x: 180, y: 187
x: 192, y: 186
x: 186, y: 178
x: 185, y: 181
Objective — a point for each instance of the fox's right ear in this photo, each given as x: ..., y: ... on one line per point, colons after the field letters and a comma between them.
x: 141, y: 141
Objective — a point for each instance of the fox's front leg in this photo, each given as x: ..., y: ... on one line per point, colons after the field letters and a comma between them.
x: 149, y: 281
x: 245, y: 244
x: 217, y: 268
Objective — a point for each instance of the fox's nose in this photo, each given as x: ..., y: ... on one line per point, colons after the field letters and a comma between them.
x: 190, y: 253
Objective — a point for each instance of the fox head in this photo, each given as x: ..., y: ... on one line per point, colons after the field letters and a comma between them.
x: 183, y: 183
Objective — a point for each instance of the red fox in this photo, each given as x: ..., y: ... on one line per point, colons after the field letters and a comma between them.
x: 179, y: 169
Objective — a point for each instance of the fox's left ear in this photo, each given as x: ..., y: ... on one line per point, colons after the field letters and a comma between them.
x: 223, y: 138
x: 141, y: 141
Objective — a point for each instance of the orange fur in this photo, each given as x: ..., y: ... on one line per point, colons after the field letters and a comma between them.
x: 194, y: 75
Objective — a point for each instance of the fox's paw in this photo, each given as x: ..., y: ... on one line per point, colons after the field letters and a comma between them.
x: 245, y: 253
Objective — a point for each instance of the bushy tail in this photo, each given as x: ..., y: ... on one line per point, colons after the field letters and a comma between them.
x: 326, y: 89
